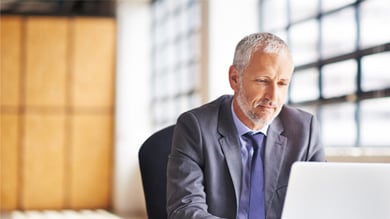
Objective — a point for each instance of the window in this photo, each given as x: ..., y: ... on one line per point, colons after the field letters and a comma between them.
x: 304, y: 46
x: 338, y: 124
x: 375, y: 17
x: 338, y: 33
x: 376, y: 71
x: 176, y: 55
x: 339, y: 79
x: 308, y: 77
x: 302, y: 9
x: 375, y: 120
x: 341, y: 51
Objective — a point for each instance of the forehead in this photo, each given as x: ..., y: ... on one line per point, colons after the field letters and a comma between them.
x: 264, y: 62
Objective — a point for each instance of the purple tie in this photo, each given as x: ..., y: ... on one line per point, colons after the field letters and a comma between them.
x: 256, y: 198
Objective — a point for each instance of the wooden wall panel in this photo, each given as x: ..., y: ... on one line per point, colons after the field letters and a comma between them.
x: 43, y: 161
x: 9, y: 161
x: 57, y: 89
x: 91, y: 161
x: 93, y: 55
x: 10, y: 57
x: 46, y: 61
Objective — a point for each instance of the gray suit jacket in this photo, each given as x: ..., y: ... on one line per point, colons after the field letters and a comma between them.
x: 204, y: 166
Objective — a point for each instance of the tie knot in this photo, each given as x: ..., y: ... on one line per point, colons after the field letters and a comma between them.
x: 256, y: 138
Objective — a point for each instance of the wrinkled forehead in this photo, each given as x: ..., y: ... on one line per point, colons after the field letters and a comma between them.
x: 281, y: 57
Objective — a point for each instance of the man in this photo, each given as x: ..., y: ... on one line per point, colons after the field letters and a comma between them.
x: 212, y: 166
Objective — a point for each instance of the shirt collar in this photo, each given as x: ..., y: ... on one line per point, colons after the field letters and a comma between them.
x: 242, y: 128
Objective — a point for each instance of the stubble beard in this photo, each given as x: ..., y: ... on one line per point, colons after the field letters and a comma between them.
x: 245, y: 107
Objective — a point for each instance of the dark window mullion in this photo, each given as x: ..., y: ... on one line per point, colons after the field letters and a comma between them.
x: 319, y: 50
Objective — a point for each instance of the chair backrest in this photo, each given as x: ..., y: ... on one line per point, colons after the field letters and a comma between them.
x: 153, y: 158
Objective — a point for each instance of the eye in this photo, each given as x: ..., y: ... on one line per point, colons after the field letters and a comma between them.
x: 261, y: 80
x: 283, y: 83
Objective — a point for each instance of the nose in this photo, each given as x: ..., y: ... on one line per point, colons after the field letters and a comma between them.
x: 272, y: 92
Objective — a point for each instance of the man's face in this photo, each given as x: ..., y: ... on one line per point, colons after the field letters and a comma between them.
x: 259, y: 93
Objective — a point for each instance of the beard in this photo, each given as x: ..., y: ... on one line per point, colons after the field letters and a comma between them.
x: 250, y: 112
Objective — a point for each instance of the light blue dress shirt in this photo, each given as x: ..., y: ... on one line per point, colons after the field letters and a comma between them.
x: 246, y: 158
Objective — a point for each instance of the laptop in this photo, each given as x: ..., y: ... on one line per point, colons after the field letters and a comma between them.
x: 326, y: 190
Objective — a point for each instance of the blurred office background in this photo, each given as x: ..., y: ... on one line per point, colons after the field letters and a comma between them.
x: 84, y: 83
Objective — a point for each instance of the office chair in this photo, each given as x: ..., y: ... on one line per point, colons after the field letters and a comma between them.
x: 153, y: 158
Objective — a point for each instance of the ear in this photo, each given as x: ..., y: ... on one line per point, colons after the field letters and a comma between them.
x: 234, y: 78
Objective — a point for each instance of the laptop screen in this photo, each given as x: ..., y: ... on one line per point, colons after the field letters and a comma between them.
x: 325, y: 190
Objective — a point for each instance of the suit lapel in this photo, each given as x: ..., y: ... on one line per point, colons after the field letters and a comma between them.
x: 274, y: 153
x: 230, y: 145
x: 233, y: 160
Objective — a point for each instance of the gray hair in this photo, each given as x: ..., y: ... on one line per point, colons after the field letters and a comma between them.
x: 266, y: 42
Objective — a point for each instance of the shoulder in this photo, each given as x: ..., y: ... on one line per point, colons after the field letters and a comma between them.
x: 291, y: 114
x: 207, y: 116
